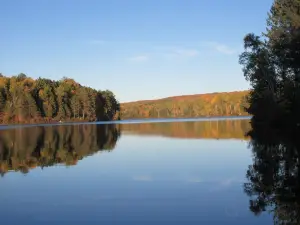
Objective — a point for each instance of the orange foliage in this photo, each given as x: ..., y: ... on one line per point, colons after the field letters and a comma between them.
x: 212, y: 104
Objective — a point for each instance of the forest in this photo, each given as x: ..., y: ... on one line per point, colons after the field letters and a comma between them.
x: 26, y: 100
x: 201, y: 105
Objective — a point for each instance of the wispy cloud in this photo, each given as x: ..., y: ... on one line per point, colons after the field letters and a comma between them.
x: 142, y: 178
x: 178, y: 52
x: 221, y: 48
x: 139, y: 58
x: 226, y: 183
x: 186, y: 52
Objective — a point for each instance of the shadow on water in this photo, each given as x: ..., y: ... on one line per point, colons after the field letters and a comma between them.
x: 274, y: 177
x: 26, y: 148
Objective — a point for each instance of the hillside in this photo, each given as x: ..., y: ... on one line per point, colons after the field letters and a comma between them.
x: 200, y: 105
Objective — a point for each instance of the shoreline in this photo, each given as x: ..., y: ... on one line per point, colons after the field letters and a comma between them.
x: 127, y: 121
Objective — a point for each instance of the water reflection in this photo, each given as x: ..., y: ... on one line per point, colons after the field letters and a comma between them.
x: 25, y: 148
x: 22, y: 149
x: 163, y: 180
x: 274, y: 177
x: 223, y: 129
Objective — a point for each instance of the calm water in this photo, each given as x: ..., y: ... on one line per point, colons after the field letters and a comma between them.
x: 146, y: 173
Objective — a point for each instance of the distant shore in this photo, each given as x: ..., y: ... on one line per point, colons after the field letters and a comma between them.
x: 127, y: 121
x: 201, y: 105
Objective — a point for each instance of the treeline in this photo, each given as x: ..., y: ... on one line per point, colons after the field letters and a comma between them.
x: 225, y: 129
x: 25, y: 100
x: 42, y: 146
x: 271, y: 63
x: 202, y: 105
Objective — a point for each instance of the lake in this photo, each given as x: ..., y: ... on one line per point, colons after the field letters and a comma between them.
x: 176, y: 172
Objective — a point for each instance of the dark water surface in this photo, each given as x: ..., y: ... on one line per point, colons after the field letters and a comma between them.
x: 146, y: 173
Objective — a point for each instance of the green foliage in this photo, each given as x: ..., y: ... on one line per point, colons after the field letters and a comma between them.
x: 215, y: 104
x: 109, y: 103
x: 271, y: 64
x: 23, y: 99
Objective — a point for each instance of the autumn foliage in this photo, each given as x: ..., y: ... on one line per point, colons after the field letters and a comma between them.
x: 25, y: 100
x: 202, y: 105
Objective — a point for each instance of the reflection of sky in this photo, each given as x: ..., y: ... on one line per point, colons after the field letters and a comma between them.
x: 144, y: 180
x: 176, y: 159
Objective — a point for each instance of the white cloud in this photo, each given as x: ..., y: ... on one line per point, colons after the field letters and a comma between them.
x: 222, y: 48
x: 139, y: 58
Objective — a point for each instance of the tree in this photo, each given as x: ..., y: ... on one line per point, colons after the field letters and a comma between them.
x: 2, y: 105
x: 21, y: 77
x: 271, y: 64
x: 75, y: 106
x: 23, y: 99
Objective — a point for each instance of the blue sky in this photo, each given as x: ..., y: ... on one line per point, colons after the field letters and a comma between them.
x: 142, y: 49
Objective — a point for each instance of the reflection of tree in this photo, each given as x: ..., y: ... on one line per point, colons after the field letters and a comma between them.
x: 205, y: 129
x: 274, y: 177
x: 26, y: 148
